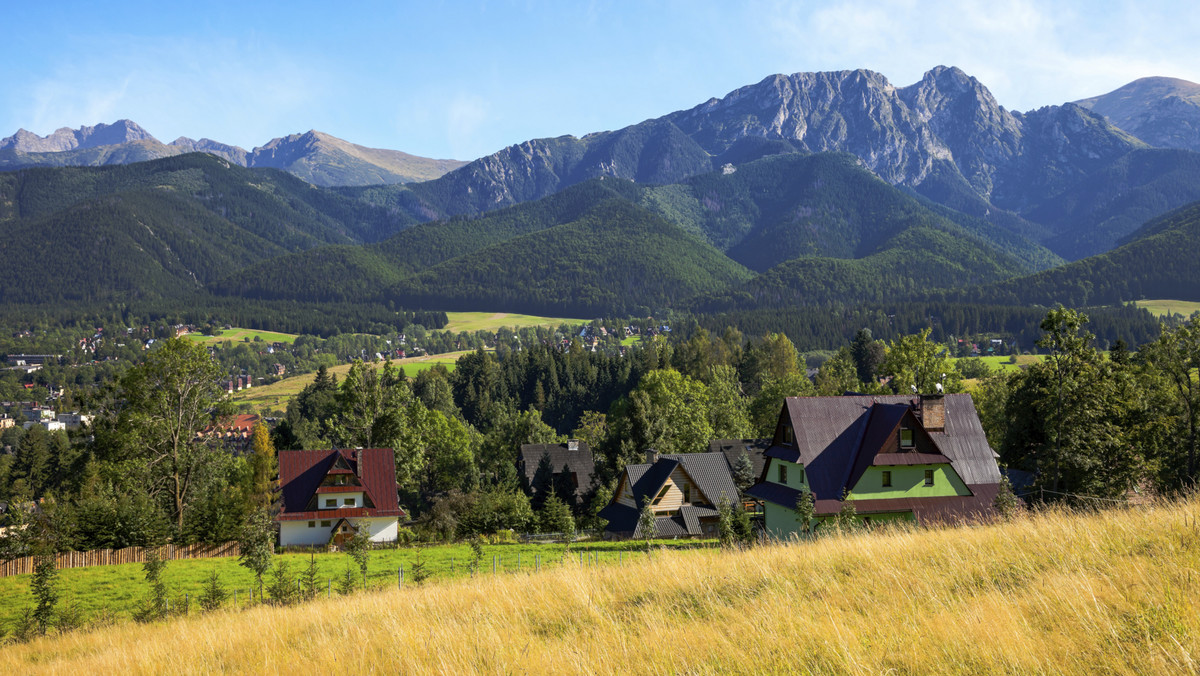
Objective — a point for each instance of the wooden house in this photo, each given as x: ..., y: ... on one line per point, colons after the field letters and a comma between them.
x: 910, y: 458
x: 683, y: 491
x: 328, y: 496
x: 574, y: 455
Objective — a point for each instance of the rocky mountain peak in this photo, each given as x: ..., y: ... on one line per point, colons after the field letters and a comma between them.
x: 1162, y: 111
x: 121, y: 131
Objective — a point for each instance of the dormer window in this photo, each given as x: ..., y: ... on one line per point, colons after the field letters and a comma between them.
x: 906, y: 437
x: 789, y: 435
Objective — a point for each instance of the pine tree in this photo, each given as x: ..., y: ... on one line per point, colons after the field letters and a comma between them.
x: 476, y: 554
x: 214, y: 594
x: 419, y: 571
x: 308, y: 579
x: 155, y: 606
x: 359, y: 549
x: 743, y: 472
x: 725, y: 532
x: 1006, y: 503
x: 283, y: 588
x: 45, y: 590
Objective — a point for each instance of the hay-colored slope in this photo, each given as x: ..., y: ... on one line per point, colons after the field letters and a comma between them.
x: 492, y: 321
x: 1059, y: 593
x: 1163, y: 308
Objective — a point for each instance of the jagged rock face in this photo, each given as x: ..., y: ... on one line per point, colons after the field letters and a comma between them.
x: 1162, y: 111
x: 121, y: 131
x: 904, y: 135
x: 234, y: 154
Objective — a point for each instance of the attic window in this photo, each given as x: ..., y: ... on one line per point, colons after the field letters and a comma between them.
x: 789, y: 435
x: 687, y: 493
x: 906, y: 437
x: 661, y: 494
x: 928, y: 477
x: 887, y: 478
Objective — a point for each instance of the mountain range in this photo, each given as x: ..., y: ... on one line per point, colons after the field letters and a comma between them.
x: 318, y: 158
x: 812, y: 189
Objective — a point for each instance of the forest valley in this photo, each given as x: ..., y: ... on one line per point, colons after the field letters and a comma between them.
x: 1082, y: 424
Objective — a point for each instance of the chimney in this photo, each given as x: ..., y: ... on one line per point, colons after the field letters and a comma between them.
x: 933, y: 412
x: 651, y: 456
x: 572, y: 444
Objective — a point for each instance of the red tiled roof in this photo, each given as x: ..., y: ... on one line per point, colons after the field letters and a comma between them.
x: 301, y: 472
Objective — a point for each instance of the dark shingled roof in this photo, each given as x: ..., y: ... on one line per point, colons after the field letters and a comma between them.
x: 301, y: 472
x: 579, y: 461
x: 733, y: 449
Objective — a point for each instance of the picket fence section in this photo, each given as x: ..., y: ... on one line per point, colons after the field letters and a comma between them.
x: 110, y: 557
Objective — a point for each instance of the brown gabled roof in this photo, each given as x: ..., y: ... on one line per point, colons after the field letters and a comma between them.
x: 301, y: 472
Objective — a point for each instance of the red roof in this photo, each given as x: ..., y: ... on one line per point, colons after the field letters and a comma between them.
x: 301, y: 473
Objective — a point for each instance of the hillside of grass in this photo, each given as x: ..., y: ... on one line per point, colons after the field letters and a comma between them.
x: 1164, y: 308
x: 1112, y: 592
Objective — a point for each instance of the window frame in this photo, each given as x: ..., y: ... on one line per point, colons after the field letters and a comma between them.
x: 326, y: 523
x: 886, y: 478
x: 782, y: 474
x: 349, y: 502
x: 929, y: 477
x: 912, y: 441
x: 312, y: 524
x: 330, y: 502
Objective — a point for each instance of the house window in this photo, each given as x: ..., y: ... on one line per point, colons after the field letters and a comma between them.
x: 331, y: 502
x: 783, y: 474
x: 928, y: 477
x: 802, y: 475
x: 906, y: 437
x: 349, y: 502
x: 661, y: 494
x: 312, y: 524
x: 789, y: 435
x: 887, y: 478
x: 687, y: 493
x: 326, y: 524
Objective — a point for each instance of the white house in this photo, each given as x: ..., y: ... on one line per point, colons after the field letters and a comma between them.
x: 330, y: 495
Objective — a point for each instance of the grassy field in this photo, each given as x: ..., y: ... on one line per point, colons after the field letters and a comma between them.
x: 1162, y: 308
x: 238, y: 335
x: 1114, y: 592
x: 117, y: 589
x: 1003, y: 364
x: 277, y: 395
x: 491, y: 321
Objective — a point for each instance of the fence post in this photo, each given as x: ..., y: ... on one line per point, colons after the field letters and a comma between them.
x: 329, y: 595
x: 518, y: 562
x: 537, y: 562
x: 493, y: 565
x: 400, y: 577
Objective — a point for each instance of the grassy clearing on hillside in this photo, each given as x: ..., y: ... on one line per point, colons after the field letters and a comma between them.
x: 118, y: 589
x: 1003, y: 363
x: 1116, y: 592
x: 491, y: 321
x: 1162, y: 308
x: 239, y: 335
x: 278, y: 394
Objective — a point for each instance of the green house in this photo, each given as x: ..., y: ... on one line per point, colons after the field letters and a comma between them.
x: 914, y: 458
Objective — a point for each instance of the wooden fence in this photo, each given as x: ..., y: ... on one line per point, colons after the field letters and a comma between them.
x: 111, y: 557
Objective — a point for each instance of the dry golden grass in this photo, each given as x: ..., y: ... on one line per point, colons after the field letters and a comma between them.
x: 1114, y: 592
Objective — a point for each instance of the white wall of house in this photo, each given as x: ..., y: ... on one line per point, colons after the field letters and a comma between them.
x: 298, y: 533
x: 340, y: 500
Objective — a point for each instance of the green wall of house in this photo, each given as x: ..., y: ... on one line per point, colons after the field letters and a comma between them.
x: 781, y: 522
x: 796, y: 477
x: 908, y: 481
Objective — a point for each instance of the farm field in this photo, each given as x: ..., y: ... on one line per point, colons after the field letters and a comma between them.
x: 1163, y: 308
x: 491, y: 321
x: 1112, y: 592
x: 276, y: 395
x: 238, y: 335
x: 117, y: 589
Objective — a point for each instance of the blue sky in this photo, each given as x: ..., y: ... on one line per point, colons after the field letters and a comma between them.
x: 464, y: 79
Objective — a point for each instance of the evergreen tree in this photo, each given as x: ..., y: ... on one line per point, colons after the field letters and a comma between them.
x: 743, y: 473
x: 214, y: 594
x: 564, y: 487
x: 725, y: 533
x: 283, y: 587
x: 359, y: 549
x: 743, y: 531
x: 419, y: 570
x: 847, y: 517
x: 45, y: 590
x: 556, y: 518
x: 543, y: 482
x: 1006, y: 502
x: 309, y: 579
x: 867, y: 354
x: 155, y: 606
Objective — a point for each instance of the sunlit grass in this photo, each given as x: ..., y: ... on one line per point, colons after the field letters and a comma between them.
x: 1114, y: 592
x: 239, y: 335
x: 1162, y: 308
x: 491, y: 321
